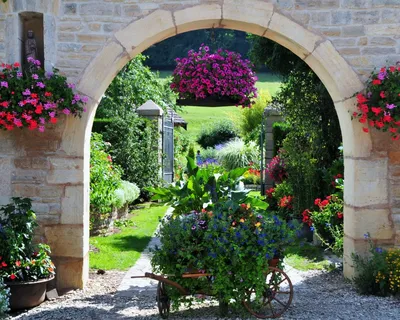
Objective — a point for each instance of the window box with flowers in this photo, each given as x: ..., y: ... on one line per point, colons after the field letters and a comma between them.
x: 25, y: 268
x: 379, y: 106
x: 214, y: 79
x: 35, y: 98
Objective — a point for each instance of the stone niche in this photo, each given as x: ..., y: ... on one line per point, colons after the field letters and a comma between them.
x: 32, y: 21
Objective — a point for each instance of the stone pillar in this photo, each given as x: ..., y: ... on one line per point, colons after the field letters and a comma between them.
x: 272, y: 115
x: 153, y: 112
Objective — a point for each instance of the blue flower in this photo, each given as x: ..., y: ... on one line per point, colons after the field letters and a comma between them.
x: 267, y: 256
x: 379, y: 250
x: 328, y: 224
x: 312, y: 229
x: 238, y: 235
x: 366, y: 235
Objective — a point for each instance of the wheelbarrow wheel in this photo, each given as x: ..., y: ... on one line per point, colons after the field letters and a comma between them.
x: 276, y: 296
x: 163, y: 301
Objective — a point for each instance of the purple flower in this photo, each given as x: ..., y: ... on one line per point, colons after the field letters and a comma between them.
x: 391, y: 106
x: 382, y: 75
x: 4, y: 84
x: 40, y: 85
x: 71, y: 85
x: 66, y: 111
x: 19, y: 74
x: 52, y: 114
x: 27, y: 92
x: 85, y: 99
x: 35, y: 76
x: 193, y: 227
x: 49, y: 75
x: 41, y: 128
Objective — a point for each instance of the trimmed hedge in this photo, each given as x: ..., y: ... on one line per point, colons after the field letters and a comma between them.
x: 99, y: 125
x: 217, y: 133
x: 279, y: 132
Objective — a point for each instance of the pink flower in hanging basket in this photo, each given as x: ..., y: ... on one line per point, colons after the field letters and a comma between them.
x: 223, y: 74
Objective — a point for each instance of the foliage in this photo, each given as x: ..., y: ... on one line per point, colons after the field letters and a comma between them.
x: 238, y: 154
x: 279, y: 133
x: 223, y: 240
x: 377, y: 273
x: 19, y: 259
x: 252, y: 176
x: 249, y: 122
x: 99, y: 124
x: 126, y: 193
x: 202, y: 186
x: 312, y: 143
x: 276, y: 169
x: 36, y: 98
x: 134, y: 142
x: 222, y: 73
x: 378, y: 107
x: 283, y: 198
x: 4, y: 298
x: 105, y: 179
x: 121, y: 250
x: 162, y: 55
x: 327, y: 220
x: 216, y: 133
x: 134, y: 85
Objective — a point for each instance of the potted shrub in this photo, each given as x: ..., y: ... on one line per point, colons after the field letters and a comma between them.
x: 221, y: 78
x: 35, y: 98
x: 25, y: 268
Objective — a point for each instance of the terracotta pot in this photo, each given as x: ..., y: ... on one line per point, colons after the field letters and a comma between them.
x: 27, y: 294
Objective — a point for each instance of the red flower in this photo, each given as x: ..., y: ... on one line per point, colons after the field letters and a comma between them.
x: 340, y: 215
x: 361, y: 98
x: 382, y: 94
x: 365, y: 130
x: 377, y: 111
x: 16, y: 64
x: 47, y: 94
x: 376, y: 82
x: 18, y: 263
x: 53, y: 120
x: 3, y: 264
x: 317, y: 201
x: 12, y: 277
x: 393, y: 130
x: 323, y: 203
x: 363, y: 120
x: 392, y: 69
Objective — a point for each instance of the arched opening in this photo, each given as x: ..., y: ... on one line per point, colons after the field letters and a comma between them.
x: 250, y: 16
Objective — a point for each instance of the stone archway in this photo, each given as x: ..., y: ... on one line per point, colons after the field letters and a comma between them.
x: 65, y: 150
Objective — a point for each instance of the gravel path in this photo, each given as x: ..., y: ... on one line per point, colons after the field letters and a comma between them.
x: 114, y: 295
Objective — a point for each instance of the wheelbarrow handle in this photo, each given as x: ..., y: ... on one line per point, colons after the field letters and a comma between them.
x: 150, y: 275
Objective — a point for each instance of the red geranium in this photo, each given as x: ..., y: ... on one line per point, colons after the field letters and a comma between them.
x: 379, y: 107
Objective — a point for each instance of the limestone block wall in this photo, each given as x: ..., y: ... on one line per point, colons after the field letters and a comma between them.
x: 91, y: 40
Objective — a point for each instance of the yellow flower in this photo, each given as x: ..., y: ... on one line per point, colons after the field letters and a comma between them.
x: 258, y: 224
x: 241, y: 220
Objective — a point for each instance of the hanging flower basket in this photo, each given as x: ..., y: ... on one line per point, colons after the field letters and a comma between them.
x: 214, y: 79
x: 35, y: 98
x: 379, y: 107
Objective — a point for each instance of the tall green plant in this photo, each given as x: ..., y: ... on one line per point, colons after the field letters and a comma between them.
x: 216, y: 133
x: 134, y: 146
x: 238, y: 154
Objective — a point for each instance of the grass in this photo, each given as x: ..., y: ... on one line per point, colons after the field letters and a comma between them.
x: 120, y: 251
x: 306, y: 257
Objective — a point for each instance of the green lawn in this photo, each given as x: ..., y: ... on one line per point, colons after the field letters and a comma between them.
x: 121, y: 250
x: 306, y: 257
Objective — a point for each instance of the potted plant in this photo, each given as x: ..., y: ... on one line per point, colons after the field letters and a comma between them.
x: 35, y: 98
x: 221, y: 78
x: 379, y: 106
x: 25, y: 268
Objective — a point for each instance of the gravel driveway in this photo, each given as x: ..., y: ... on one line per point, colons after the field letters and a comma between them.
x: 317, y: 295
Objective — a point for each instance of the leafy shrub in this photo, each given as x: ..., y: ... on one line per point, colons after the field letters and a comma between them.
x: 105, y: 179
x: 283, y: 196
x: 276, y: 169
x: 209, y: 153
x: 377, y: 273
x: 99, y: 124
x: 20, y: 260
x: 249, y: 121
x: 216, y: 133
x: 4, y: 298
x: 238, y: 154
x: 126, y: 193
x: 134, y: 142
x: 134, y: 85
x: 279, y: 133
x: 327, y: 220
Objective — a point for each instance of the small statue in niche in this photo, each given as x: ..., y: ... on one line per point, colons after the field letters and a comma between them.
x: 30, y: 46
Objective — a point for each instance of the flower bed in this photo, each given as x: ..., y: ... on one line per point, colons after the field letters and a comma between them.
x: 36, y: 98
x: 222, y: 75
x: 379, y: 107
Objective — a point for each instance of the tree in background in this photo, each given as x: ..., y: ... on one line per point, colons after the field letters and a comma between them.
x: 312, y: 144
x: 133, y: 86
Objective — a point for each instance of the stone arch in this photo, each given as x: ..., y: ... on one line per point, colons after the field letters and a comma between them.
x: 365, y: 173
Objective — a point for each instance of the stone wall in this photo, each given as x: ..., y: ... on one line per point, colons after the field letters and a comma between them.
x: 91, y: 40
